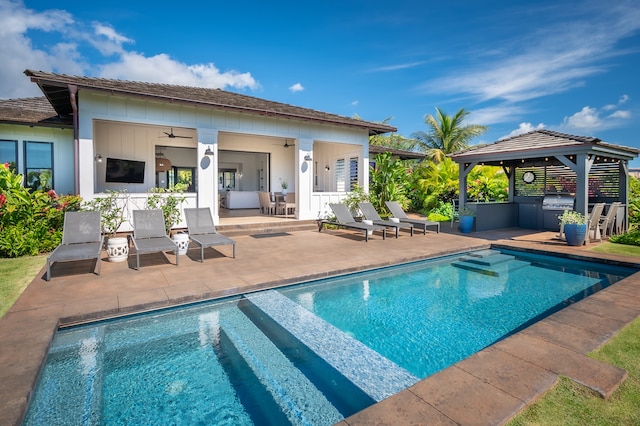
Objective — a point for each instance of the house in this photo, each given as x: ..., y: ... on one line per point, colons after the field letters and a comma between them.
x: 89, y: 135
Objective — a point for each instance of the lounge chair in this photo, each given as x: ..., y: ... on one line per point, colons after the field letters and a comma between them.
x: 607, y: 221
x: 149, y: 235
x: 344, y: 219
x: 593, y: 230
x: 370, y: 213
x: 203, y: 232
x: 81, y: 239
x: 398, y: 213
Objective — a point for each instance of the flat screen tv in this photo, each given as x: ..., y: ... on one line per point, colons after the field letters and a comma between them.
x: 124, y: 171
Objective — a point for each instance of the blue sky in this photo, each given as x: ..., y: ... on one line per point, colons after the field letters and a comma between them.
x: 569, y: 66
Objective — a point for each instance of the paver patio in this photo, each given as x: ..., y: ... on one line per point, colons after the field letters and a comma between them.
x: 486, y: 388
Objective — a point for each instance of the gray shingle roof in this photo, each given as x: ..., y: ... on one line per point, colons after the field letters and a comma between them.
x: 540, y: 143
x: 54, y: 87
x: 30, y: 111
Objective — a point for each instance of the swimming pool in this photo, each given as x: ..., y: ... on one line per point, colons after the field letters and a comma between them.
x: 307, y: 354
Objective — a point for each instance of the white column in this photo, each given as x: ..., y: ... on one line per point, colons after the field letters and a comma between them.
x: 87, y: 167
x: 208, y: 172
x: 304, y: 180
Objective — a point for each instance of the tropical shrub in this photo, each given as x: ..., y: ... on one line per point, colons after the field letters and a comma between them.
x: 387, y: 182
x: 434, y: 185
x: 112, y: 210
x: 487, y: 183
x: 357, y: 195
x: 31, y: 221
x: 169, y: 202
x: 631, y: 238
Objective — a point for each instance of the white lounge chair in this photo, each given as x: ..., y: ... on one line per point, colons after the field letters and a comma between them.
x: 398, y: 213
x: 203, y: 232
x: 149, y: 235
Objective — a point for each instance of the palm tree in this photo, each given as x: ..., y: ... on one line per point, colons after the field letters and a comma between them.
x: 447, y: 134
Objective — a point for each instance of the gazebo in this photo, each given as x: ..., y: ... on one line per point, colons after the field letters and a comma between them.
x: 544, y: 164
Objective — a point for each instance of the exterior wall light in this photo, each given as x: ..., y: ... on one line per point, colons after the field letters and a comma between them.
x: 98, y: 158
x: 209, y: 152
x: 307, y: 157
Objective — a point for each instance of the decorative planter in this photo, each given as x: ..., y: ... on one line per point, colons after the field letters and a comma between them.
x: 368, y: 222
x: 181, y: 240
x: 118, y: 249
x: 575, y: 234
x: 466, y: 224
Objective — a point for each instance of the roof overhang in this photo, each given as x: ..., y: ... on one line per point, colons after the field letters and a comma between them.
x: 56, y: 88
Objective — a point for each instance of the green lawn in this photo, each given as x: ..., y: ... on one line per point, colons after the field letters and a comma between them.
x: 16, y: 275
x: 569, y: 403
x: 612, y: 248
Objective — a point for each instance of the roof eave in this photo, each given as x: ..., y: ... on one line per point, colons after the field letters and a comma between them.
x: 373, y: 129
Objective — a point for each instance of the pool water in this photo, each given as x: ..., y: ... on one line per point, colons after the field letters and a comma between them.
x: 309, y: 354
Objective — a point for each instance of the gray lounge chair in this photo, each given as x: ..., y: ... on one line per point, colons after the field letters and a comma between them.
x: 370, y: 213
x: 203, y: 232
x: 81, y: 239
x: 149, y: 234
x: 344, y: 219
x: 397, y: 212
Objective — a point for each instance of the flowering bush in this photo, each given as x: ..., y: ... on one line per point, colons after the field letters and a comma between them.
x: 30, y: 221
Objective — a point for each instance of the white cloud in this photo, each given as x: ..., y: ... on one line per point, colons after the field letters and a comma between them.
x: 552, y: 60
x: 590, y: 119
x: 399, y: 66
x: 163, y: 69
x: 296, y: 88
x: 355, y: 103
x: 496, y: 114
x: 524, y: 128
x: 621, y: 114
x: 63, y: 53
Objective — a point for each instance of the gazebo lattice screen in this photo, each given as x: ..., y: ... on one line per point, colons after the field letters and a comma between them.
x: 603, y: 181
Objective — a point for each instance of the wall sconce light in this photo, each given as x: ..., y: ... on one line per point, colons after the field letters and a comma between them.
x: 327, y: 168
x: 307, y: 157
x: 98, y: 158
x: 209, y: 152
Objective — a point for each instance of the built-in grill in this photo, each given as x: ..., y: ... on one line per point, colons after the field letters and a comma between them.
x: 553, y: 206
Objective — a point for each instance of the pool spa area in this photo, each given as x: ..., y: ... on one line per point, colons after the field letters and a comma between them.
x: 308, y: 354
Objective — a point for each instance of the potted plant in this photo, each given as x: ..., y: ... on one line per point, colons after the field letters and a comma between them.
x: 284, y: 186
x: 466, y: 217
x: 112, y: 210
x: 574, y: 226
x: 169, y: 201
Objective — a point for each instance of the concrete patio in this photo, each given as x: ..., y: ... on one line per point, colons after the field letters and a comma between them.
x: 487, y: 388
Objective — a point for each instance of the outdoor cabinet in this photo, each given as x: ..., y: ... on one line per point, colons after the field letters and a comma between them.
x: 528, y: 215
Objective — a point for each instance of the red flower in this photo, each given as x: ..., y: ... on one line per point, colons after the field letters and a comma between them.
x: 52, y: 193
x: 3, y: 199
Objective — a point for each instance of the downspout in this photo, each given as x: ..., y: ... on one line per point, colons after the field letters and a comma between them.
x: 73, y: 91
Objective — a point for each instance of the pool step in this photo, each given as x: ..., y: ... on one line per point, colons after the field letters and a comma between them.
x: 490, y: 262
x: 374, y: 374
x: 298, y: 398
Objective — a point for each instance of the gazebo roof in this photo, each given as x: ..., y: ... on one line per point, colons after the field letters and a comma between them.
x: 542, y: 145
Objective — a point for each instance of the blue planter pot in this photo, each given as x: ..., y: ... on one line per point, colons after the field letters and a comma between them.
x: 575, y: 234
x: 466, y: 224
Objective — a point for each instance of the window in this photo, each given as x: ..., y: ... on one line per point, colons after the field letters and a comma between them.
x: 9, y: 153
x: 185, y: 176
x: 227, y: 179
x: 38, y: 157
x: 340, y: 177
x: 353, y: 173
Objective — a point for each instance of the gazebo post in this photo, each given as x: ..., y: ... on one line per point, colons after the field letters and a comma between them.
x: 583, y: 165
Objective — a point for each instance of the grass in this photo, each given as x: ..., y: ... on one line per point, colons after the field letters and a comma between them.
x: 16, y: 275
x: 569, y: 403
x: 613, y: 248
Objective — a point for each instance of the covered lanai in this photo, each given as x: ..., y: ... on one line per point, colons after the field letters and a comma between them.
x: 548, y: 171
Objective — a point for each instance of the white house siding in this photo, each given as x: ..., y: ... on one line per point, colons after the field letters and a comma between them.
x: 219, y: 130
x: 62, y: 139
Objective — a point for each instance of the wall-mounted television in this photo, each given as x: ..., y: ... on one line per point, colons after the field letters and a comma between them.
x: 124, y: 171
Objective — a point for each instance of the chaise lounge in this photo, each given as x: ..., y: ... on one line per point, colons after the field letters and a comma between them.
x: 371, y: 214
x: 149, y: 235
x: 203, y: 232
x: 397, y: 212
x: 344, y: 219
x: 81, y: 239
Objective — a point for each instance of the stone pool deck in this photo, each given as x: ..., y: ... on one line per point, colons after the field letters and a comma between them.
x: 487, y: 388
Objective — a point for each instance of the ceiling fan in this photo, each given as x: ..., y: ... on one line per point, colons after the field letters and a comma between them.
x: 286, y: 144
x: 171, y: 135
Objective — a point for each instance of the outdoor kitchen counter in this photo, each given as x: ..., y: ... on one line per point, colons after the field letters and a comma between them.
x: 491, y: 216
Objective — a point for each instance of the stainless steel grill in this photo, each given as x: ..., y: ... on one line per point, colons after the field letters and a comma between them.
x: 558, y: 202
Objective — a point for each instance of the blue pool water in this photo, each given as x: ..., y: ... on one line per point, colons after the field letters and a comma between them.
x: 308, y: 354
